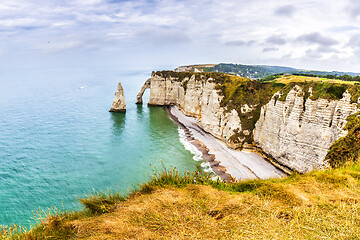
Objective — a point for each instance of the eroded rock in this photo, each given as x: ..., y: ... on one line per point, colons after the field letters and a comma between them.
x: 119, y: 104
x: 299, y: 133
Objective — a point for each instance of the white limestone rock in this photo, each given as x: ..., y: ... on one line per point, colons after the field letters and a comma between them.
x: 141, y: 93
x: 298, y: 134
x: 197, y: 98
x: 119, y: 104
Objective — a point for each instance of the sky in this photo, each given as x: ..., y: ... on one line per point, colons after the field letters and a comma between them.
x: 306, y: 34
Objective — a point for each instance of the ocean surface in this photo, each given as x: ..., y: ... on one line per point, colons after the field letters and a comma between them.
x: 58, y: 141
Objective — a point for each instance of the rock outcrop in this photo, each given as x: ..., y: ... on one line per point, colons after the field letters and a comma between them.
x: 295, y: 131
x: 298, y: 132
x: 196, y: 97
x: 141, y: 93
x: 119, y: 104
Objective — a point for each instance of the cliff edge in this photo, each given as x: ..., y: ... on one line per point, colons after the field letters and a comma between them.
x: 295, y: 124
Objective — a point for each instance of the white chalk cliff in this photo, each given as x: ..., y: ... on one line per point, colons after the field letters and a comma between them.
x: 197, y: 98
x: 297, y: 133
x: 119, y: 104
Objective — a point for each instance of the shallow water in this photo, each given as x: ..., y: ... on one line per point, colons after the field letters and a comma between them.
x: 58, y: 141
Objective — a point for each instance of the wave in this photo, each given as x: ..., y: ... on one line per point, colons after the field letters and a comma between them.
x: 193, y: 150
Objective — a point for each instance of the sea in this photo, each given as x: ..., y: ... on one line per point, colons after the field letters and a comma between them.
x: 59, y: 142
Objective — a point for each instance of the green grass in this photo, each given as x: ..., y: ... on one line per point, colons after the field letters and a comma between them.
x: 329, y: 194
x: 346, y: 150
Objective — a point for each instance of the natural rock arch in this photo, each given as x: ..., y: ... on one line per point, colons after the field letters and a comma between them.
x: 141, y: 93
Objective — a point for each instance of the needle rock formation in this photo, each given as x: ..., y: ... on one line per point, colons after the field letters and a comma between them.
x: 119, y: 104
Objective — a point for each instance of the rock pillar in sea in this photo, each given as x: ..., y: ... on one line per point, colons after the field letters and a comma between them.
x: 141, y: 93
x: 119, y: 104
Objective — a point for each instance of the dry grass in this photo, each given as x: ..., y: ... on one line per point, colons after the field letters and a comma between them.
x: 318, y: 205
x: 202, y: 212
x: 292, y: 78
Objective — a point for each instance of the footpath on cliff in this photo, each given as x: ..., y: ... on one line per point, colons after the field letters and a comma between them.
x: 224, y: 161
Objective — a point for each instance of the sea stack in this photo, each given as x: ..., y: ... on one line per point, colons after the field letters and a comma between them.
x: 119, y: 104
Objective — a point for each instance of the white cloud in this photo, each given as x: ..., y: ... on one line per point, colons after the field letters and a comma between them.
x: 17, y: 22
x: 62, y: 45
x: 240, y: 30
x: 287, y: 10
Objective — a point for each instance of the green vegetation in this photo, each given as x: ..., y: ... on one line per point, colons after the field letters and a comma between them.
x: 180, y: 76
x: 285, y: 78
x: 346, y: 150
x: 239, y: 92
x: 263, y: 71
x: 344, y: 77
x: 248, y: 71
x: 317, y: 205
x: 319, y: 90
x: 271, y: 78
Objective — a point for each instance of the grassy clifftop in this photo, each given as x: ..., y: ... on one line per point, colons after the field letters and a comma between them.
x: 317, y: 205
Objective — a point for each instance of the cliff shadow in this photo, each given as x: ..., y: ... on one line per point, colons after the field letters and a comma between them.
x: 119, y: 120
x: 159, y: 120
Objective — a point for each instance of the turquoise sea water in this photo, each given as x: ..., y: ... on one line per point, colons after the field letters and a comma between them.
x: 58, y: 141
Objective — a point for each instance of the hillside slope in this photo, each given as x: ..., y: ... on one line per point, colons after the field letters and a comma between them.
x: 259, y: 71
x: 317, y: 205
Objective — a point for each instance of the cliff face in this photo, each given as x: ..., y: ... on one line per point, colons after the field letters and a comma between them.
x: 299, y: 133
x: 196, y: 97
x: 296, y: 131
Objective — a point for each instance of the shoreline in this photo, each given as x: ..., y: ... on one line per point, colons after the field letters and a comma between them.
x: 228, y: 164
x: 210, y: 158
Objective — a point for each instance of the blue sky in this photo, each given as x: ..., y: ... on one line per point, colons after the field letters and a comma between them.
x: 322, y: 34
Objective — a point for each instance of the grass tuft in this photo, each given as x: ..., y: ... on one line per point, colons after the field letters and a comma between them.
x: 316, y: 205
x: 100, y: 202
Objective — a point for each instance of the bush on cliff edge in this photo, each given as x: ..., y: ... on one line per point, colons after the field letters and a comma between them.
x: 346, y: 150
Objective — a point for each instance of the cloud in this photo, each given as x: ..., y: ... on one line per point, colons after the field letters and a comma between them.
x: 161, y: 36
x: 327, y: 49
x: 354, y: 41
x: 317, y: 38
x: 277, y: 40
x: 353, y: 8
x: 270, y: 49
x: 287, y: 11
x: 240, y: 43
x: 234, y: 30
x: 59, y: 46
x: 346, y: 28
x: 313, y: 54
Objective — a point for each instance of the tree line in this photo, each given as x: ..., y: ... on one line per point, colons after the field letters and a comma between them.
x: 344, y: 77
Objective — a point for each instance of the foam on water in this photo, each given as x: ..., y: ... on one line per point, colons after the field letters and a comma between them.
x: 191, y: 148
x: 188, y: 146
